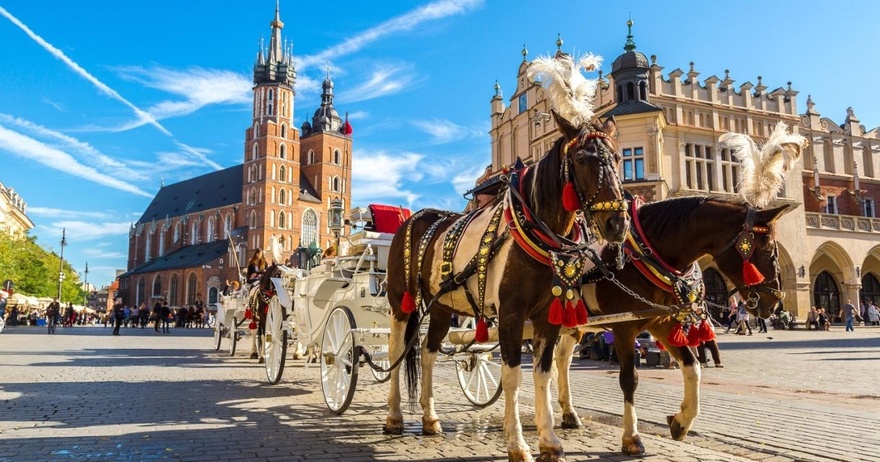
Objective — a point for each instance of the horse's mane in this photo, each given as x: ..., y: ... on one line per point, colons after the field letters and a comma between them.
x: 666, y: 219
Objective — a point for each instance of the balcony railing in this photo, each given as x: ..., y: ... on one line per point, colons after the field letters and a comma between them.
x: 845, y: 223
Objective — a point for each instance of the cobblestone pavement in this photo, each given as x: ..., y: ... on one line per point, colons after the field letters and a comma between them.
x: 83, y: 394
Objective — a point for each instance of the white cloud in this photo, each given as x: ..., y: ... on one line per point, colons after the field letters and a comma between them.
x: 26, y: 147
x: 81, y: 231
x: 386, y: 80
x: 444, y: 131
x: 94, y: 253
x: 380, y: 177
x: 66, y: 214
x: 409, y: 21
x: 142, y: 115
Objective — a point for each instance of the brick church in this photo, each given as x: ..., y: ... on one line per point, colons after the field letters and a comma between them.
x: 189, y: 238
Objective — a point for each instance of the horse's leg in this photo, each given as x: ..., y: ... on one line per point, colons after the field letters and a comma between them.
x: 394, y: 419
x: 548, y: 443
x: 624, y: 343
x: 511, y: 381
x: 564, y: 352
x: 680, y: 423
x: 253, y: 335
x: 437, y: 329
x: 261, y: 332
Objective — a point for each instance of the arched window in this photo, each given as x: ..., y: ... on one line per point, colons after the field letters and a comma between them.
x: 619, y: 93
x: 336, y: 182
x: 870, y: 289
x: 311, y: 157
x: 281, y: 221
x: 209, y: 231
x: 254, y: 152
x: 825, y: 293
x: 630, y: 91
x: 191, y: 289
x: 716, y: 293
x: 147, y: 246
x: 172, y: 291
x: 253, y: 221
x: 283, y: 134
x: 162, y: 241
x: 282, y: 151
x: 282, y: 174
x: 643, y: 91
x: 141, y: 291
x: 194, y: 233
x: 177, y: 232
x: 227, y: 226
x: 157, y: 286
x: 337, y: 157
x: 282, y: 197
x: 309, y: 228
x: 256, y: 130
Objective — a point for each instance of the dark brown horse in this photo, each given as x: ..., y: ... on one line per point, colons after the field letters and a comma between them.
x: 678, y: 232
x: 505, y: 280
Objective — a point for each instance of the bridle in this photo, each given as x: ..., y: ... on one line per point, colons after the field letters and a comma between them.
x: 744, y: 243
x: 606, y: 164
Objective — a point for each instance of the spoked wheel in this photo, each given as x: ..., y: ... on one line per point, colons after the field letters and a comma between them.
x: 479, y: 375
x: 218, y: 334
x: 381, y: 377
x: 233, y: 336
x: 275, y: 340
x: 339, y: 360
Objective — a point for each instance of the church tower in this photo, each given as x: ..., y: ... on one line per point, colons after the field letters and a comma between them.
x: 271, y: 173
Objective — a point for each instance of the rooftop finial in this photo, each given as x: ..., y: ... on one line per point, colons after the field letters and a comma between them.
x: 630, y: 44
x: 559, y: 42
x: 525, y: 52
x: 497, y: 89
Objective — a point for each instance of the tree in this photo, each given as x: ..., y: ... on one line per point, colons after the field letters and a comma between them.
x: 35, y: 271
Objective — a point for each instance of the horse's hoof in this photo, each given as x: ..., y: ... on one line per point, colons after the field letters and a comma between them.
x: 519, y: 456
x: 570, y: 420
x: 633, y: 446
x: 551, y: 455
x: 675, y: 429
x: 253, y: 356
x: 431, y: 427
x: 393, y: 427
x: 261, y: 361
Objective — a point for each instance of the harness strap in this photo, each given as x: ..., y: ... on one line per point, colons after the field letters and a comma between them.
x: 423, y: 247
x: 450, y: 242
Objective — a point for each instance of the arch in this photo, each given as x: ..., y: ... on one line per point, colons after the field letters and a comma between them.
x: 310, y: 159
x: 255, y: 151
x: 282, y: 150
x: 140, y: 291
x: 227, y: 226
x: 309, y: 228
x: 826, y: 293
x: 630, y: 91
x: 148, y: 246
x: 283, y: 135
x: 337, y: 157
x: 643, y: 90
x: 256, y: 131
x: 194, y: 233
x: 209, y: 231
x: 870, y: 289
x: 253, y: 220
x: 212, y: 296
x: 162, y: 241
x: 282, y: 197
x: 281, y: 219
x: 282, y: 174
x: 788, y: 274
x: 173, y: 290
x: 191, y: 288
x: 157, y: 286
x: 619, y: 93
x: 177, y: 227
x: 716, y: 292
x: 830, y: 256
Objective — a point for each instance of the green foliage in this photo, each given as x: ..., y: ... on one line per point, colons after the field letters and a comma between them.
x: 35, y: 271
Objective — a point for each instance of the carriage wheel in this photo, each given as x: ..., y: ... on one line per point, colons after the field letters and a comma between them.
x: 479, y: 375
x: 218, y: 335
x: 381, y: 377
x: 275, y: 341
x: 233, y: 336
x: 339, y: 360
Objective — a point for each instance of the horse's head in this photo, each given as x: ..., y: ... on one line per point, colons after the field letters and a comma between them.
x: 589, y: 163
x: 751, y: 261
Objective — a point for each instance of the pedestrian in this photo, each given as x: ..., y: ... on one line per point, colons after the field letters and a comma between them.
x: 731, y: 315
x: 872, y: 315
x: 156, y: 316
x: 165, y: 315
x: 762, y: 324
x: 822, y: 320
x: 813, y: 318
x: 143, y: 315
x: 848, y: 312
x: 742, y: 319
x: 118, y: 315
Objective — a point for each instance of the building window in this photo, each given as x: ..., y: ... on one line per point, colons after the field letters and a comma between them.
x: 282, y: 151
x: 177, y: 232
x: 254, y: 153
x: 831, y: 205
x: 630, y: 91
x: 282, y: 197
x: 191, y: 289
x: 162, y: 242
x: 699, y: 167
x: 523, y: 102
x: 281, y: 221
x: 253, y: 220
x: 729, y: 171
x: 227, y: 226
x: 147, y: 246
x: 141, y: 291
x: 868, y: 208
x: 194, y: 233
x: 311, y: 157
x: 283, y: 135
x: 309, y: 228
x: 157, y: 286
x: 633, y: 164
x: 209, y: 231
x: 172, y: 291
x: 337, y: 157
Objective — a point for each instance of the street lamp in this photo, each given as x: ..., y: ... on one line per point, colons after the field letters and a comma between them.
x: 86, y: 302
x: 336, y: 223
x: 61, y: 264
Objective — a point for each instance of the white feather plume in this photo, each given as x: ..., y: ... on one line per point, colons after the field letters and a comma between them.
x: 571, y: 94
x: 763, y: 169
x: 275, y: 250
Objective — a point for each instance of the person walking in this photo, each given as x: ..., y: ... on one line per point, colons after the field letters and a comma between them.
x: 762, y: 324
x: 848, y: 313
x: 742, y: 319
x: 143, y: 315
x: 157, y: 314
x: 872, y: 315
x: 165, y: 316
x: 118, y: 315
x: 731, y: 315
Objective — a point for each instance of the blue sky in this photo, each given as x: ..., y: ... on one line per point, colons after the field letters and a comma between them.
x: 101, y: 101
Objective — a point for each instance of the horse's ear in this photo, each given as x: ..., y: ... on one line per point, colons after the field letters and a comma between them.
x: 771, y: 215
x: 569, y: 130
x: 610, y: 127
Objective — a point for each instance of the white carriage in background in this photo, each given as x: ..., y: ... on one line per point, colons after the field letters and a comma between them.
x: 338, y: 310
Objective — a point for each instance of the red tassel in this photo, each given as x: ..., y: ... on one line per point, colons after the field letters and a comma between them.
x: 570, y: 199
x: 248, y: 313
x: 407, y: 305
x: 694, y: 336
x: 751, y: 275
x: 676, y: 337
x: 707, y: 333
x: 581, y: 313
x: 555, y: 316
x: 660, y: 346
x: 482, y: 335
x: 569, y: 319
x: 252, y: 325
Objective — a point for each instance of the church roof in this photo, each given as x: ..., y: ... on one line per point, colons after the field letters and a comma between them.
x: 307, y: 192
x: 209, y: 191
x: 186, y: 257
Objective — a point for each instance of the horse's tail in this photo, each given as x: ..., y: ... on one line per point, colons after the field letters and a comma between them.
x: 411, y: 360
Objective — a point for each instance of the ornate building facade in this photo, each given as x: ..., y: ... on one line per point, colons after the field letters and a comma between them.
x: 13, y: 213
x: 669, y: 123
x: 198, y: 233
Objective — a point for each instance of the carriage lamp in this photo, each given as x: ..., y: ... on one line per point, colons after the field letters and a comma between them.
x: 336, y: 222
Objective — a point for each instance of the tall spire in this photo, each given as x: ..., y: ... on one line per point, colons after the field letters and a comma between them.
x: 276, y: 64
x: 275, y: 51
x: 630, y: 44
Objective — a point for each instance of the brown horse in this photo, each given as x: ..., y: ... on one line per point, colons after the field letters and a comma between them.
x: 678, y: 232
x: 506, y: 280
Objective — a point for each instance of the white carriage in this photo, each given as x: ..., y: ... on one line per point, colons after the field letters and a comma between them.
x: 338, y: 309
x: 231, y: 321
